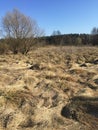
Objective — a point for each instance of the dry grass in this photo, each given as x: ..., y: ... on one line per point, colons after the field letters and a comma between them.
x: 35, y: 87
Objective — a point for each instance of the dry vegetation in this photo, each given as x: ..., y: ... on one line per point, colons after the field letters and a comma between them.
x: 50, y: 88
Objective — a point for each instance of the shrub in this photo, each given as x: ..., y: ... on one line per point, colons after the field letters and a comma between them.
x: 3, y: 48
x: 19, y: 45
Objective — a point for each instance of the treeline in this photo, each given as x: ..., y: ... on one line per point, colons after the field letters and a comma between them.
x: 26, y: 44
x: 70, y: 39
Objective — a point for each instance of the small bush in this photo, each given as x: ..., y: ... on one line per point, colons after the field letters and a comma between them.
x: 3, y: 48
x: 19, y: 45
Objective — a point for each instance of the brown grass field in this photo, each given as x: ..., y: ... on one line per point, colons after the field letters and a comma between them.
x: 50, y: 88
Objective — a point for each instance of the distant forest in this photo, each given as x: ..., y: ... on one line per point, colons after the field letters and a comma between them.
x: 65, y: 39
x: 26, y: 44
x: 70, y: 39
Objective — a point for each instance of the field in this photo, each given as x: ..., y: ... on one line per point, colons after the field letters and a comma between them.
x: 50, y: 88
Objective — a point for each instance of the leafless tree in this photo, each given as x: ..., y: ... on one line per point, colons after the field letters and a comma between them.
x: 17, y: 25
x: 19, y: 30
x: 55, y: 33
x: 94, y: 31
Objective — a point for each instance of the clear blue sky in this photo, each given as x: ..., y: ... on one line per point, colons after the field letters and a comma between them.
x: 67, y: 16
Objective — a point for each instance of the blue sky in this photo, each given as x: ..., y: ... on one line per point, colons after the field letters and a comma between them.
x: 67, y: 16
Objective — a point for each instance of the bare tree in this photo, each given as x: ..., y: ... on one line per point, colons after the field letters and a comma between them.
x: 94, y: 31
x: 19, y: 30
x: 17, y: 25
x: 55, y: 33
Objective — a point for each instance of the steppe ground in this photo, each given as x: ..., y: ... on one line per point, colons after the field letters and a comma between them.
x: 50, y: 88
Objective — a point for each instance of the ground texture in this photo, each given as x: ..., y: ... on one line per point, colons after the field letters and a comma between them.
x: 50, y: 88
